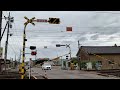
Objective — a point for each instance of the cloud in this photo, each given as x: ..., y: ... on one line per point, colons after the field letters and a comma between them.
x: 89, y: 27
x: 94, y: 37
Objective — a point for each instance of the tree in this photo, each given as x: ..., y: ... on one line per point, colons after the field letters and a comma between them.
x: 115, y: 45
x: 74, y: 60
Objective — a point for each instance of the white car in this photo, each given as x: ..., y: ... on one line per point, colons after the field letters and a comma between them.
x: 46, y: 66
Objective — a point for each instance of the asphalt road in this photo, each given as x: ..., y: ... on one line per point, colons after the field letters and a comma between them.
x: 57, y: 73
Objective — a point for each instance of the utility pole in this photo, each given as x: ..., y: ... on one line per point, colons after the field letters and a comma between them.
x: 36, y: 55
x: 0, y: 26
x: 6, y: 44
x: 30, y: 68
x: 12, y: 63
x: 78, y: 44
x: 19, y: 57
x: 79, y: 55
x: 15, y: 61
x: 0, y: 36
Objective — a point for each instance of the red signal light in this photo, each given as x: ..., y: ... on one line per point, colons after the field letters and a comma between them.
x: 33, y: 53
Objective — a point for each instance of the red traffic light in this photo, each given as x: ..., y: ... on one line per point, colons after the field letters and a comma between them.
x: 33, y: 53
x: 68, y: 28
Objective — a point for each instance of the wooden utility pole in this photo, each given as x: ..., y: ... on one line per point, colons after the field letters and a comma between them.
x: 0, y: 35
x: 0, y: 26
x: 79, y: 55
x: 19, y: 57
x: 6, y: 44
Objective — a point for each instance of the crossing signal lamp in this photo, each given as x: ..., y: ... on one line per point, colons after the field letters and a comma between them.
x: 32, y: 47
x: 68, y: 29
x: 54, y: 20
x: 33, y: 53
x: 66, y: 57
x: 58, y: 45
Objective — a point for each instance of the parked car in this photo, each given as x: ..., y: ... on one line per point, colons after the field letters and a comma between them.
x: 46, y: 66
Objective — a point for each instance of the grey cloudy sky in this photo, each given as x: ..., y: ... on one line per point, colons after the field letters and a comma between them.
x: 89, y: 27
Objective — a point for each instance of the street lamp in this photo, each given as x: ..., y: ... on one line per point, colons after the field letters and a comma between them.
x: 24, y: 39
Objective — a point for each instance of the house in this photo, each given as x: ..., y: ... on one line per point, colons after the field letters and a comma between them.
x: 2, y: 65
x: 108, y: 57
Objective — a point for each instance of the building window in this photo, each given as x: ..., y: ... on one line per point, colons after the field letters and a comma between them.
x: 100, y: 62
x: 111, y: 61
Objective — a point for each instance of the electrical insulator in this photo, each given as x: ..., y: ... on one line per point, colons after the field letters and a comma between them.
x: 10, y: 26
x: 12, y: 19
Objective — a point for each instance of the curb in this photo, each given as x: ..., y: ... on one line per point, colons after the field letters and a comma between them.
x: 103, y: 74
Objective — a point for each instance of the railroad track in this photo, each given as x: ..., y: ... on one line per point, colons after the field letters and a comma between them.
x: 110, y: 72
x: 36, y: 75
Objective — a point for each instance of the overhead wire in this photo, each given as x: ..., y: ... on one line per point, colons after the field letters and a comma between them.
x: 13, y: 49
x: 13, y: 34
x: 14, y: 39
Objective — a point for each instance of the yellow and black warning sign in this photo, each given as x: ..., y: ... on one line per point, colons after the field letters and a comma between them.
x: 54, y: 20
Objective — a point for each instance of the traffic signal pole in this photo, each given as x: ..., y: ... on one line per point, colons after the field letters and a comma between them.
x: 79, y: 60
x: 30, y: 68
x: 0, y: 34
x: 69, y: 53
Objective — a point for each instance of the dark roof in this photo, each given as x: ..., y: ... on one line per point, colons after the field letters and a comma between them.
x: 101, y: 49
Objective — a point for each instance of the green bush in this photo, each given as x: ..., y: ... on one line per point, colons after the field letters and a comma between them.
x: 74, y: 60
x: 94, y: 64
x: 83, y: 65
x: 64, y: 63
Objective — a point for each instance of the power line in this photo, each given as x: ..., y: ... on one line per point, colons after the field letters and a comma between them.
x: 108, y: 12
x: 13, y: 50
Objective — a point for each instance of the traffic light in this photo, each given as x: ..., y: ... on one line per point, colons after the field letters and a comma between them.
x: 54, y: 20
x: 12, y: 19
x: 25, y: 39
x: 33, y: 53
x: 66, y: 57
x: 32, y: 47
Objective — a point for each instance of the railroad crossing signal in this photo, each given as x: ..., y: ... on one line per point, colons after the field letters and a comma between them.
x: 54, y: 20
x: 29, y: 20
x: 32, y: 47
x: 33, y: 53
x: 24, y: 39
x: 66, y: 57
